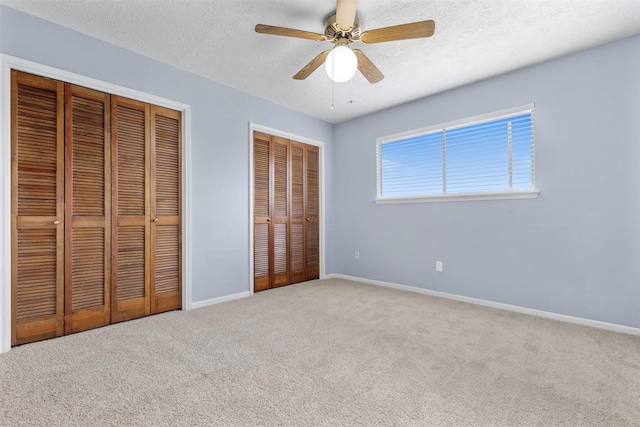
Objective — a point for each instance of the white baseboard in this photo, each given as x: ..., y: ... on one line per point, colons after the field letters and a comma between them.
x: 546, y: 314
x: 213, y: 301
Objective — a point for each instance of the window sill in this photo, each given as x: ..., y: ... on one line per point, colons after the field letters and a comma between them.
x: 460, y: 197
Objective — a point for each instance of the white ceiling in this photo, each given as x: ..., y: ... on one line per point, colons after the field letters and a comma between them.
x: 474, y: 40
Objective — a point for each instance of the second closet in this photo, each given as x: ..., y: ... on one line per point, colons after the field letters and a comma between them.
x: 286, y: 211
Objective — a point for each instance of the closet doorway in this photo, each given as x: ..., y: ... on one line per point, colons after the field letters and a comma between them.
x: 286, y: 211
x: 95, y: 208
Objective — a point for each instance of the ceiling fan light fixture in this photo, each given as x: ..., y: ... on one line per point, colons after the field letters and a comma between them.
x: 341, y: 64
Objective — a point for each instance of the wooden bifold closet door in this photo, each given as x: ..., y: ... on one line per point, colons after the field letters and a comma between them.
x: 166, y: 210
x: 95, y: 211
x: 286, y: 227
x: 88, y: 209
x: 130, y: 215
x: 37, y: 208
x: 146, y: 259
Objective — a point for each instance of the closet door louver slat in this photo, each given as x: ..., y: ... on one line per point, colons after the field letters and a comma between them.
x: 130, y: 268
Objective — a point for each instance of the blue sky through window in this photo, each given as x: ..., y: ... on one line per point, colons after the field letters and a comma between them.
x: 495, y: 155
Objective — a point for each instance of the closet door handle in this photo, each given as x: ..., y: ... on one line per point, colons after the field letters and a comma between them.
x: 56, y: 222
x: 308, y: 219
x: 155, y: 220
x: 268, y: 219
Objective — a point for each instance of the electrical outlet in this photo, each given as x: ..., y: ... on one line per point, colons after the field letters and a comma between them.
x: 357, y: 255
x: 439, y: 265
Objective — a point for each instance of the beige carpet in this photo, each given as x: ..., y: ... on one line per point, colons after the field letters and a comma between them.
x: 327, y: 353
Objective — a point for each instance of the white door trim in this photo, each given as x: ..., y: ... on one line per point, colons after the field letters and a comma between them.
x: 256, y: 127
x: 8, y: 63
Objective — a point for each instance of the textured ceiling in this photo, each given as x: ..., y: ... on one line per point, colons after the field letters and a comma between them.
x: 474, y: 40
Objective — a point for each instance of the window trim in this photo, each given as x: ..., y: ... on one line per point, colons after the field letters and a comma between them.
x: 462, y: 196
x: 458, y: 197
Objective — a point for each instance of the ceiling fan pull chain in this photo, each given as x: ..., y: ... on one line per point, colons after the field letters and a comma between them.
x: 333, y: 83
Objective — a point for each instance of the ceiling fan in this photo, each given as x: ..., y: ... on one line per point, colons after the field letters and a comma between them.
x: 343, y: 28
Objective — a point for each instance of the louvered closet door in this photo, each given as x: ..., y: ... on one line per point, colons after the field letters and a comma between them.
x: 286, y: 212
x: 271, y: 211
x: 37, y: 208
x: 280, y: 209
x: 88, y: 209
x: 297, y: 223
x: 312, y: 213
x: 166, y: 268
x: 261, y: 211
x: 130, y: 255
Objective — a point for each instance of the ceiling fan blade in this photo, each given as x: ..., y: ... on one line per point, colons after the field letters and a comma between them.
x: 399, y: 32
x: 312, y: 66
x: 288, y: 32
x: 346, y: 13
x: 366, y: 67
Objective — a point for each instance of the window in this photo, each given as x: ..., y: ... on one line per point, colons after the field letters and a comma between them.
x: 483, y: 157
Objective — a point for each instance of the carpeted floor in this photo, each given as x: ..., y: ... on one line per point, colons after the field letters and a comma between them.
x: 328, y: 353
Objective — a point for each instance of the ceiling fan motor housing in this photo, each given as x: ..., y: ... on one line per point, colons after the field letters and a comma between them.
x: 332, y: 32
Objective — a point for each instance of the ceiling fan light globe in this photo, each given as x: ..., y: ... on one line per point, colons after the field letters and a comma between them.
x: 341, y: 64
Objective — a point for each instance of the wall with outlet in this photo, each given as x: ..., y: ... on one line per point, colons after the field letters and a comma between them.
x: 575, y: 250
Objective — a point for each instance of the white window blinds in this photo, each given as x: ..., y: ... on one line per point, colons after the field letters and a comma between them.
x: 494, y: 154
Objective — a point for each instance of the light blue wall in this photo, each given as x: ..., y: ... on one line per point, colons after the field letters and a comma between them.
x: 575, y: 250
x: 219, y: 145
